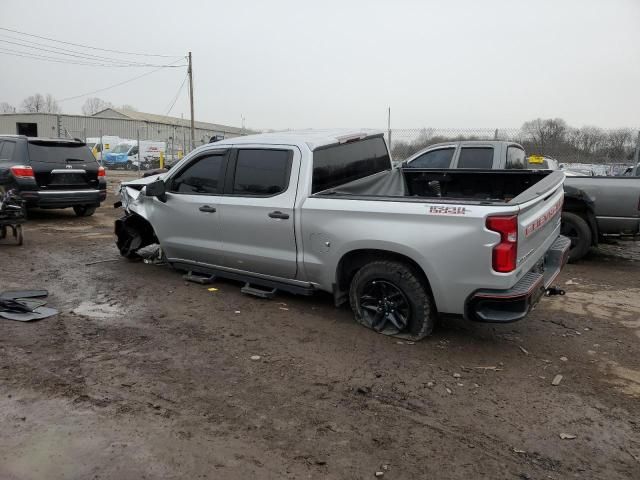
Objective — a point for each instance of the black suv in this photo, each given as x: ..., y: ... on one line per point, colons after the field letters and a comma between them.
x: 52, y: 173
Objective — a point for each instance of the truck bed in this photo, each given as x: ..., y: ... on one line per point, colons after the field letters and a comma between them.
x: 450, y: 185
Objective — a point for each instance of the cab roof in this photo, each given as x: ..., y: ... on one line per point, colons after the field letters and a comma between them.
x: 311, y: 138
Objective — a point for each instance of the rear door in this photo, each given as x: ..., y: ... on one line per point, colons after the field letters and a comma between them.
x: 63, y: 165
x: 188, y: 222
x: 441, y: 157
x: 476, y: 156
x: 258, y: 211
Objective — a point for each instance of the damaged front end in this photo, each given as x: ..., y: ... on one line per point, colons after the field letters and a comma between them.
x: 133, y: 230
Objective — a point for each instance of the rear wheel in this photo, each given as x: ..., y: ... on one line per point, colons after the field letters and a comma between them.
x: 391, y: 298
x: 84, y: 210
x: 577, y: 230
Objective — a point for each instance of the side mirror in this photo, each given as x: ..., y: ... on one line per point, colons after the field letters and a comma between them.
x: 156, y: 189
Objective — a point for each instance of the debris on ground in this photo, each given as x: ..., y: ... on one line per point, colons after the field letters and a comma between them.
x: 25, y: 305
x: 255, y: 357
x: 152, y: 254
x: 567, y: 436
x: 564, y: 359
x: 524, y: 350
x: 456, y: 375
x: 379, y: 474
x: 556, y: 380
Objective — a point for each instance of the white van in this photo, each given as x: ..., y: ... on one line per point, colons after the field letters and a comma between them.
x: 125, y: 155
x: 101, y: 148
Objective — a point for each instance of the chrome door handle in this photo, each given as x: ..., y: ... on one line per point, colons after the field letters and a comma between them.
x: 279, y: 214
x: 207, y: 208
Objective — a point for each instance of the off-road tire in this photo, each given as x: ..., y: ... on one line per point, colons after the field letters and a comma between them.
x: 581, y: 233
x: 423, y: 314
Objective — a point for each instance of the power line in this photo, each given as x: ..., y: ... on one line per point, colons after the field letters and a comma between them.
x: 111, y: 86
x: 87, y: 46
x: 63, y: 51
x: 122, y: 63
x: 35, y: 56
x: 175, y: 99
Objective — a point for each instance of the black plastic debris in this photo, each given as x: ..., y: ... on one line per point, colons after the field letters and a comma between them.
x: 25, y: 305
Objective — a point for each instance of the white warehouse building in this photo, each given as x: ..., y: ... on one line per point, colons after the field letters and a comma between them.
x: 114, y: 122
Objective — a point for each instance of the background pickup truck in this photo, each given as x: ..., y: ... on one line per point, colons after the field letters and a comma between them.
x: 594, y: 207
x: 325, y: 210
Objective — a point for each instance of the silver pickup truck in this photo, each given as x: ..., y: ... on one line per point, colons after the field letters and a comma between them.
x: 594, y: 207
x: 325, y: 210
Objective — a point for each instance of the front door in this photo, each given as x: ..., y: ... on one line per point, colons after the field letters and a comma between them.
x: 188, y: 222
x: 258, y: 229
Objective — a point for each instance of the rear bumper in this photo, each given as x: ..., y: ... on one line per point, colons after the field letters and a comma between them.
x: 502, y: 306
x: 63, y: 198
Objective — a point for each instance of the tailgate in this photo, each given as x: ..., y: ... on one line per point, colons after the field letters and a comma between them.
x: 539, y: 217
x: 63, y: 166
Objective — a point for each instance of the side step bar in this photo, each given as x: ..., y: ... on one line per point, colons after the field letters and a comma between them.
x: 202, y: 279
x: 258, y: 292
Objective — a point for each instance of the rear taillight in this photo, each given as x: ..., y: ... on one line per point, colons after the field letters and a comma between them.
x: 22, y: 171
x: 102, y: 172
x: 505, y: 252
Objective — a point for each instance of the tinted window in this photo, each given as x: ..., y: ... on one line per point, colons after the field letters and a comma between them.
x: 440, y: 158
x: 262, y: 172
x: 202, y: 176
x: 340, y: 164
x: 516, y: 158
x: 6, y: 149
x: 134, y: 151
x: 59, y: 153
x: 473, y: 157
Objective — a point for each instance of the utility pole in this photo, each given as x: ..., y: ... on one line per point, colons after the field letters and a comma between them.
x: 389, y: 127
x: 190, y: 73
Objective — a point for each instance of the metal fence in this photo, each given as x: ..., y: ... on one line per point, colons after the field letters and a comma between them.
x: 586, y: 145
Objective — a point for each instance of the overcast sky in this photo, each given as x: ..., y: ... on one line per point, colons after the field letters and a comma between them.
x: 294, y: 64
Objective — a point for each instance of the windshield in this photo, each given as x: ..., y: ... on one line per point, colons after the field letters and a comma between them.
x: 122, y: 148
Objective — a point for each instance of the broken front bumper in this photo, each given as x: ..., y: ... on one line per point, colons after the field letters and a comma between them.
x: 515, y: 303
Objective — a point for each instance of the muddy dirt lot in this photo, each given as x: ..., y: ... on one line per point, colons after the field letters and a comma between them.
x: 145, y: 376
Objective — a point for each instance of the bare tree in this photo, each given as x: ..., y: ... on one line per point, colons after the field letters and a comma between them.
x: 545, y: 134
x: 33, y: 104
x: 94, y: 105
x: 619, y: 143
x: 39, y: 103
x: 7, y: 108
x: 126, y: 106
x: 587, y: 139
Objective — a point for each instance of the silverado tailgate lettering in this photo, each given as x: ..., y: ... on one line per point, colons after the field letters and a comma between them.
x: 544, y: 218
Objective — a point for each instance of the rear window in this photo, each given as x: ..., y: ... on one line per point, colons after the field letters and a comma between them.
x: 476, y: 157
x: 59, y: 153
x: 6, y: 150
x: 262, y: 172
x: 340, y: 164
x: 516, y: 158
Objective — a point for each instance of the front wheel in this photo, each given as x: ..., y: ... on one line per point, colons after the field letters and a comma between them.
x: 84, y: 210
x: 577, y: 230
x: 390, y: 297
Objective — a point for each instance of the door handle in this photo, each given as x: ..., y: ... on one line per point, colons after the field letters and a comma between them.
x: 279, y: 214
x: 207, y: 208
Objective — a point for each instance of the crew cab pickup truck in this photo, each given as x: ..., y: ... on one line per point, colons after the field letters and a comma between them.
x: 325, y: 210
x: 594, y: 207
x: 52, y: 173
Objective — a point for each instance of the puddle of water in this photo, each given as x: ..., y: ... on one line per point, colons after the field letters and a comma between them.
x: 97, y: 310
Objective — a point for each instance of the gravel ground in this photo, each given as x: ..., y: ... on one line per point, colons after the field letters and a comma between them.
x: 145, y: 376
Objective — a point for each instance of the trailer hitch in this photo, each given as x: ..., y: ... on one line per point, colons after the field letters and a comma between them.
x: 554, y: 291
